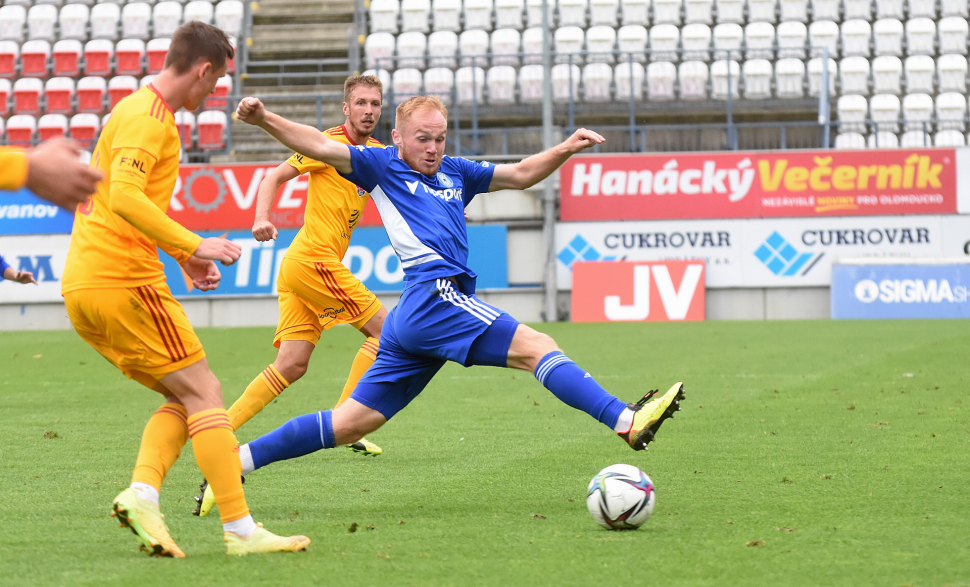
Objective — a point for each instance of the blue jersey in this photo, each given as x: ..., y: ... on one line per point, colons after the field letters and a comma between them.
x: 424, y: 215
x: 3, y: 267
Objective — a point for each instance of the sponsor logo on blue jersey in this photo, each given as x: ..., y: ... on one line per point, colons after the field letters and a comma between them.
x: 445, y: 180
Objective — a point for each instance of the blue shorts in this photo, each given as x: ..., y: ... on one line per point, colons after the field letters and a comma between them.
x: 432, y: 323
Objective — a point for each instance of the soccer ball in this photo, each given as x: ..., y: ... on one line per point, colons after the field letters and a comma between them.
x: 621, y: 497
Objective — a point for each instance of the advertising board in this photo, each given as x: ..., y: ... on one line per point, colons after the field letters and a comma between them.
x: 42, y: 255
x: 629, y: 291
x: 917, y: 288
x: 21, y: 212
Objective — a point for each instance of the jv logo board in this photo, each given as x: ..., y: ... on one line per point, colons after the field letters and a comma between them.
x: 626, y: 291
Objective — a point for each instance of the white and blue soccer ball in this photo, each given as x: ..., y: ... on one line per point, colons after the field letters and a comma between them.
x: 621, y: 497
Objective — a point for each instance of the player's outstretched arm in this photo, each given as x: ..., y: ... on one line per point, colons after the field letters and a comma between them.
x: 263, y: 229
x: 532, y: 170
x: 299, y: 137
x: 52, y: 171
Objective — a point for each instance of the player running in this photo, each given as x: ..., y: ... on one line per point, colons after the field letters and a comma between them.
x: 316, y: 290
x: 117, y: 299
x: 421, y: 195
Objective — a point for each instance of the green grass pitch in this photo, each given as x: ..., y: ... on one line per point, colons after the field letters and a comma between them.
x: 807, y: 453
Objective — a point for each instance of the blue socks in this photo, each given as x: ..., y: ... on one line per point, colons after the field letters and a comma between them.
x: 577, y: 389
x: 300, y: 436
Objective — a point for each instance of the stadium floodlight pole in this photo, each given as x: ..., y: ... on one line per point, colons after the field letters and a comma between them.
x: 548, y: 194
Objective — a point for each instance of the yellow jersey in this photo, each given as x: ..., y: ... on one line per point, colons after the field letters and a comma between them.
x: 334, y: 206
x: 13, y: 168
x: 116, y: 233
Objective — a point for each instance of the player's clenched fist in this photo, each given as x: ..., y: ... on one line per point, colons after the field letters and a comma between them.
x: 219, y: 249
x: 263, y: 230
x: 251, y: 110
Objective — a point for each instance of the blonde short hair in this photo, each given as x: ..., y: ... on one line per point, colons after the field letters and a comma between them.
x: 409, y: 107
x: 355, y: 81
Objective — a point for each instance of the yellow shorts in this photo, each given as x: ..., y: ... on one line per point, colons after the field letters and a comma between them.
x: 142, y: 331
x: 315, y: 296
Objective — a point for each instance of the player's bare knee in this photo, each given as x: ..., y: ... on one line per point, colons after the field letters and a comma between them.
x: 292, y: 368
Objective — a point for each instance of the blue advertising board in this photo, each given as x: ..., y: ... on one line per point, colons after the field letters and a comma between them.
x: 903, y: 290
x: 21, y: 212
x: 370, y: 257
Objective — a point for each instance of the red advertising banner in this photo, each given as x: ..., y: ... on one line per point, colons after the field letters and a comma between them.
x: 628, y: 291
x: 759, y: 184
x: 223, y: 197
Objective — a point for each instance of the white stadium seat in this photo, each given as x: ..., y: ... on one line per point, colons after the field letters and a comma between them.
x: 60, y: 95
x: 793, y: 10
x: 562, y: 89
x: 166, y: 18
x: 951, y: 111
x: 155, y: 52
x: 414, y: 15
x: 12, y: 19
x: 508, y: 14
x: 500, y: 80
x: 919, y: 71
x: 920, y: 9
x: 635, y: 12
x: 884, y: 111
x: 920, y: 36
x: 954, y: 8
x: 853, y: 9
x: 27, y: 92
x: 569, y: 44
x: 856, y: 36
x: 720, y: 80
x: 949, y: 138
x: 888, y: 36
x: 759, y: 40
x: 470, y: 83
x: 21, y: 129
x: 661, y: 78
x: 693, y: 76
x: 882, y: 140
x: 573, y: 13
x: 953, y: 35
x: 852, y: 111
x: 506, y: 44
x: 229, y: 17
x: 212, y: 129
x: 600, y: 43
x: 532, y: 45
x: 442, y: 49
x: 826, y: 9
x: 73, y: 21
x: 730, y: 11
x: 757, y: 74
x: 67, y: 57
x: 34, y: 56
x: 952, y: 70
x: 914, y: 139
x: 120, y: 87
x: 664, y: 43
x: 889, y: 9
x: 918, y: 111
x: 135, y: 18
x: 105, y: 19
x: 200, y: 10
x: 667, y: 12
x: 530, y: 84
x: 98, y: 55
x: 854, y: 75
x: 90, y: 94
x: 631, y: 40
x: 792, y: 38
x: 471, y: 44
x: 887, y: 75
x: 378, y: 50
x: 41, y: 19
x: 728, y: 39
x: 6, y: 88
x: 628, y: 78
x: 184, y: 122
x: 790, y: 78
x: 533, y: 12
x: 406, y: 82
x: 597, y: 78
x: 763, y: 11
x: 824, y: 33
x: 603, y: 12
x: 440, y: 82
x: 446, y: 15
x: 411, y: 48
x: 52, y: 125
x: 699, y: 11
x: 696, y: 42
x: 129, y: 57
x: 383, y: 16
x: 383, y: 75
x: 9, y: 56
x: 850, y: 140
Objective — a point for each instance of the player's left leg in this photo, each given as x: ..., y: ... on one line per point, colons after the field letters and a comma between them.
x: 365, y: 357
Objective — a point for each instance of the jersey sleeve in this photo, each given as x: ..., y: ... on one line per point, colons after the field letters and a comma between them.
x: 3, y: 268
x: 369, y: 165
x: 476, y: 175
x: 304, y: 164
x: 13, y: 168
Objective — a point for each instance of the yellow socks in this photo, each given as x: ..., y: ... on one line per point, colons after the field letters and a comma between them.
x: 161, y: 444
x: 264, y: 389
x: 362, y: 362
x: 217, y: 453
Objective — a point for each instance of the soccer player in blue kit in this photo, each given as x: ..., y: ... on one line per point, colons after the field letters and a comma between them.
x: 421, y: 195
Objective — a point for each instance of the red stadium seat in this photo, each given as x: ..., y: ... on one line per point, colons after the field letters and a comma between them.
x: 231, y: 65
x: 223, y: 89
x: 212, y: 126
x: 59, y: 92
x: 157, y: 49
x: 33, y: 58
x: 120, y: 87
x: 185, y: 122
x: 67, y: 58
x: 90, y: 94
x: 129, y: 54
x: 51, y: 125
x: 26, y: 95
x: 4, y: 96
x: 9, y: 55
x: 20, y: 130
x: 97, y: 57
x: 84, y: 127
